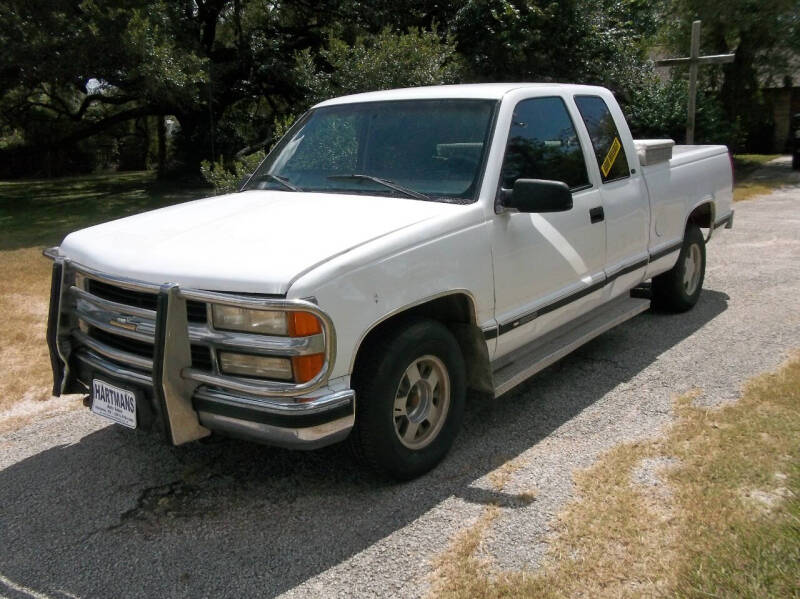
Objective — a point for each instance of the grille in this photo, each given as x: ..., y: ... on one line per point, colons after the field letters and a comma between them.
x: 201, y: 355
x: 196, y: 311
x: 132, y: 346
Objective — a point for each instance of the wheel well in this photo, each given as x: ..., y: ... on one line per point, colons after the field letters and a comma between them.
x: 702, y: 216
x: 455, y: 307
x: 457, y: 312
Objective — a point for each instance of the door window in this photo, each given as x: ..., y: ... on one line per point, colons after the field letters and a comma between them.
x: 543, y: 144
x: 605, y: 137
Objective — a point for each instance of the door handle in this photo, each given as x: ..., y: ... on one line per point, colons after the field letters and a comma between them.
x: 596, y: 214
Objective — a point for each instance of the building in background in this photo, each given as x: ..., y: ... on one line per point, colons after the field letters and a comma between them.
x: 782, y: 94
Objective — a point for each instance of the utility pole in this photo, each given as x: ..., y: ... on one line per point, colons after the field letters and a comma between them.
x: 694, y: 60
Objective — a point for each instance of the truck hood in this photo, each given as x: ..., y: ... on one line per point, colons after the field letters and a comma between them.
x: 251, y: 242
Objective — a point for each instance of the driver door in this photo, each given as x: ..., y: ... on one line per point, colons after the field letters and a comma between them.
x: 548, y: 267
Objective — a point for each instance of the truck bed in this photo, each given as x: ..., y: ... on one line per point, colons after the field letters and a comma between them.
x: 685, y: 154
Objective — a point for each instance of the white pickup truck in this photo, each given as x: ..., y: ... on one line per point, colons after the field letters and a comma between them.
x: 394, y: 251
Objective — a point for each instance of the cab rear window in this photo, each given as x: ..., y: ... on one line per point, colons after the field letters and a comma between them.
x: 606, y: 141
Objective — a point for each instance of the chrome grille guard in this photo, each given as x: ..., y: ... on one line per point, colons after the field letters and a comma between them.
x: 170, y: 372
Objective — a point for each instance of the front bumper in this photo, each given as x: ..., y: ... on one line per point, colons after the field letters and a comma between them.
x: 307, y: 425
x: 184, y: 402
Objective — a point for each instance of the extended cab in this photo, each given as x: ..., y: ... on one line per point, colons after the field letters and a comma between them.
x: 393, y: 251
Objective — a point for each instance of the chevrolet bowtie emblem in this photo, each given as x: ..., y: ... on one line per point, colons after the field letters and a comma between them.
x: 122, y: 322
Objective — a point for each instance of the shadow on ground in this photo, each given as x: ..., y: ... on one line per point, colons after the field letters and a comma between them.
x: 118, y: 512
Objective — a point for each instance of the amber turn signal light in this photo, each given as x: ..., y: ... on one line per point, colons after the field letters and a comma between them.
x: 303, y: 324
x: 307, y: 367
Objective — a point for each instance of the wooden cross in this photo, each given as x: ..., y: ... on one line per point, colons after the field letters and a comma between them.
x: 694, y: 60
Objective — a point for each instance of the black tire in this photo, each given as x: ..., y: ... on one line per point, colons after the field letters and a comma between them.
x: 671, y: 290
x: 380, y: 371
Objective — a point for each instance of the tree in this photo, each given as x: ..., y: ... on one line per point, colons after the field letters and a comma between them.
x: 224, y: 70
x: 764, y: 35
x: 372, y: 62
x: 191, y: 59
x: 587, y: 41
x: 382, y: 61
x: 658, y: 110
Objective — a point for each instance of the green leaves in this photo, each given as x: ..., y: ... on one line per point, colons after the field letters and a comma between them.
x: 224, y: 70
x: 227, y: 179
x: 162, y: 68
x: 383, y: 61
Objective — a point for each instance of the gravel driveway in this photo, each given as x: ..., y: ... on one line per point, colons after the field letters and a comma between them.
x: 90, y: 510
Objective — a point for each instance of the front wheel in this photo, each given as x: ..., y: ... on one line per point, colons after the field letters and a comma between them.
x: 410, y: 393
x: 678, y: 289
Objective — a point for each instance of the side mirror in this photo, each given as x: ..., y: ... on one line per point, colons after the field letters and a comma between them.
x: 537, y: 195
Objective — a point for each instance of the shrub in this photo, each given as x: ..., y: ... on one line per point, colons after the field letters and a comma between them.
x: 658, y: 110
x: 227, y: 177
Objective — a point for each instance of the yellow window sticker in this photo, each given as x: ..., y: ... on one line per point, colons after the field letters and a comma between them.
x: 611, y: 157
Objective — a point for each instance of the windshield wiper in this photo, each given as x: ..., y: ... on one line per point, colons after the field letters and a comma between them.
x: 282, y: 180
x: 385, y: 182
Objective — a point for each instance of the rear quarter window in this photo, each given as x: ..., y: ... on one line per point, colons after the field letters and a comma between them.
x: 606, y: 141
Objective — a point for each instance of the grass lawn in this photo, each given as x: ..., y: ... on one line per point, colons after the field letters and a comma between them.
x: 724, y: 522
x: 34, y: 215
x: 745, y: 164
x: 42, y: 212
x: 756, y: 177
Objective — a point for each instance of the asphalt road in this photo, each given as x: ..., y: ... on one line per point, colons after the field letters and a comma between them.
x: 92, y: 510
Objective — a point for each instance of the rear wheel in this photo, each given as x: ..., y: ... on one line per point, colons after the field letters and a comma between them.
x: 678, y: 289
x: 410, y: 390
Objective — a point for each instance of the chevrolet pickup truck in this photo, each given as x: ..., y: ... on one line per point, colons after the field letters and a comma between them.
x: 393, y: 252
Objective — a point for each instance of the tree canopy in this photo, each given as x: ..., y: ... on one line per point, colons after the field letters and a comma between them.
x: 77, y: 77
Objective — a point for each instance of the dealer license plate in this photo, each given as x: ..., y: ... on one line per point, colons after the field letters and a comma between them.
x: 114, y: 403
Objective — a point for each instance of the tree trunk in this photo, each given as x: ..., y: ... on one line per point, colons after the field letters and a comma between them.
x: 162, y: 146
x: 193, y: 141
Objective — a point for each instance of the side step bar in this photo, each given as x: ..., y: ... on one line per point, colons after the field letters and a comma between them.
x: 521, y: 364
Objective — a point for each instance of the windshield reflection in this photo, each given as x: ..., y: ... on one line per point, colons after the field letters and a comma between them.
x: 420, y: 149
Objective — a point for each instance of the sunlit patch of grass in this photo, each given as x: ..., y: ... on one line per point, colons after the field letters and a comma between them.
x: 747, y: 190
x: 42, y: 212
x: 38, y: 213
x: 727, y: 525
x: 755, y: 177
x: 24, y: 362
x: 752, y: 161
x: 25, y: 374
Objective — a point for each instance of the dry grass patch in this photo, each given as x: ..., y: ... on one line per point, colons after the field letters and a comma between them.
x: 755, y: 176
x: 38, y: 213
x: 729, y: 525
x: 24, y: 362
x: 25, y: 375
x: 747, y: 190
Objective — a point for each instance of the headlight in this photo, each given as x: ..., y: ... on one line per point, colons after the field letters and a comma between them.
x: 294, y: 323
x: 266, y: 322
x: 258, y: 366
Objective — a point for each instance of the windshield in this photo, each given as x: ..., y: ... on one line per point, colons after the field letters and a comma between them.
x: 423, y: 149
